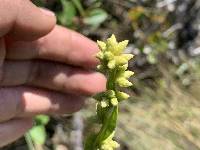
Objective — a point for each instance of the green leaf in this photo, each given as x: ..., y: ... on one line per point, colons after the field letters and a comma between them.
x: 89, y: 142
x: 96, y: 17
x: 108, y: 127
x: 66, y: 16
x: 38, y: 134
x: 79, y: 6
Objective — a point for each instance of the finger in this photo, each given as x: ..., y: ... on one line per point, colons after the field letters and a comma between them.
x: 2, y: 55
x: 13, y: 129
x: 60, y: 45
x: 23, y: 20
x: 27, y: 101
x: 52, y: 76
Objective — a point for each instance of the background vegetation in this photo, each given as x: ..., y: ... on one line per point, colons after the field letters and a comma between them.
x: 163, y: 112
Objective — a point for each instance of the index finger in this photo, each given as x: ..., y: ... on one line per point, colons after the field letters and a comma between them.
x: 62, y: 45
x: 21, y: 19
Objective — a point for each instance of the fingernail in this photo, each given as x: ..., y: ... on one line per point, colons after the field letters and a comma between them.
x: 47, y: 12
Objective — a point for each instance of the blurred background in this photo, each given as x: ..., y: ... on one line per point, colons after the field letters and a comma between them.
x: 163, y: 112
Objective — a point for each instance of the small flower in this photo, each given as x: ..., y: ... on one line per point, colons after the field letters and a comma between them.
x: 104, y: 104
x: 114, y: 101
x: 111, y: 94
x: 109, y: 144
x: 101, y: 45
x: 122, y: 96
x: 123, y: 82
x: 111, y: 64
x: 128, y: 74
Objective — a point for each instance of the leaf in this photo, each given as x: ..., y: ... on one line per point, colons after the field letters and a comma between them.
x: 109, y: 125
x: 38, y: 134
x: 79, y: 6
x: 96, y: 17
x: 89, y: 142
x: 66, y: 16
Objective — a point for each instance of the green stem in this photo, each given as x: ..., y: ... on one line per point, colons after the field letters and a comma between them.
x: 111, y: 80
x: 112, y: 109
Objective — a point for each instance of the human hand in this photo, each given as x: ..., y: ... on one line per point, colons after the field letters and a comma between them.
x: 44, y: 68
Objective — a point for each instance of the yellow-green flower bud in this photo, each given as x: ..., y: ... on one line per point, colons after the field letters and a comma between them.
x: 110, y: 94
x: 123, y: 82
x: 127, y: 56
x: 114, y: 101
x: 122, y: 96
x: 128, y: 74
x: 124, y: 74
x: 112, y: 43
x: 108, y: 55
x: 120, y: 60
x: 99, y: 55
x: 123, y: 59
x: 114, y: 144
x: 101, y: 45
x: 120, y: 47
x: 111, y: 64
x: 104, y: 104
x: 123, y: 67
x: 109, y: 144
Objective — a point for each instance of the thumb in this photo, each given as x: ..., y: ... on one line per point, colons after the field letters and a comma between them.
x: 22, y: 20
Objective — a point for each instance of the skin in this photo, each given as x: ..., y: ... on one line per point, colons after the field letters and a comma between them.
x: 44, y: 68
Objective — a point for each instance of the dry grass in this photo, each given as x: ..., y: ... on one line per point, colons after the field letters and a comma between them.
x: 167, y: 118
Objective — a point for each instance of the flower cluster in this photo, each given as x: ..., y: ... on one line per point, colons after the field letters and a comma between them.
x: 114, y: 64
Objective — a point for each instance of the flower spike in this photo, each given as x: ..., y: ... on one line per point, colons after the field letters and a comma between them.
x: 114, y: 64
